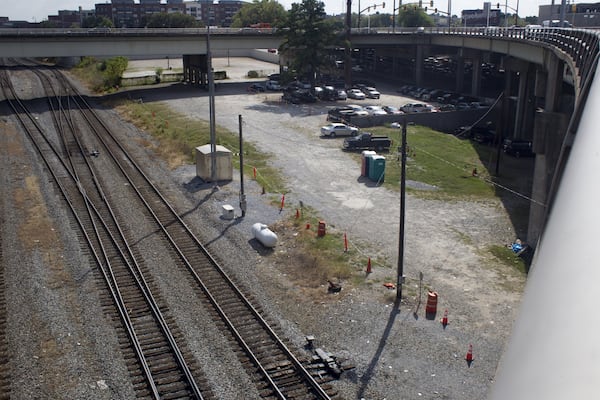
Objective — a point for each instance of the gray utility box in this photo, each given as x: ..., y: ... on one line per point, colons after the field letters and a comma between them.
x: 224, y: 166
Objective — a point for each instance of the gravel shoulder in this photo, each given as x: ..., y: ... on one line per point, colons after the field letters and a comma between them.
x: 398, y: 354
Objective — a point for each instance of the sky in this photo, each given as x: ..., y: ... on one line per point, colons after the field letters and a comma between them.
x: 38, y: 10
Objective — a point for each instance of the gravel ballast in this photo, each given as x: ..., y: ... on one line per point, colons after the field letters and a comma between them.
x: 58, y: 333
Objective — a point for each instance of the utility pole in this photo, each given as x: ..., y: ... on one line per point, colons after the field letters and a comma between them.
x: 242, y: 194
x: 400, y: 279
x: 211, y: 106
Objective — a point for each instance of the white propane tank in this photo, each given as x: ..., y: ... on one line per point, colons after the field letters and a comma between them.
x: 263, y: 234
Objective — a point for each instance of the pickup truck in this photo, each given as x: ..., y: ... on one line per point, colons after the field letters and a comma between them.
x: 366, y: 141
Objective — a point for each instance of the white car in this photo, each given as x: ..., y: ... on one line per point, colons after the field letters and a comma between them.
x: 356, y: 94
x: 358, y: 110
x: 416, y: 108
x: 375, y: 110
x: 371, y: 92
x: 338, y: 129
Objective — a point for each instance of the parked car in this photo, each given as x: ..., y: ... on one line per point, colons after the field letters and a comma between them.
x: 273, y: 85
x: 367, y: 141
x: 341, y: 94
x: 447, y: 107
x: 356, y: 94
x: 392, y: 110
x: 358, y: 110
x: 338, y: 129
x: 298, y: 96
x: 518, y: 148
x: 483, y: 135
x: 416, y: 107
x: 256, y: 87
x: 375, y: 110
x: 370, y: 92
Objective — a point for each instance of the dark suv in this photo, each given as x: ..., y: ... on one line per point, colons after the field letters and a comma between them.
x: 518, y: 148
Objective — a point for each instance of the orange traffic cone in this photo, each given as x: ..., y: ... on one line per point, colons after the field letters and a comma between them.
x: 297, y: 213
x: 282, y: 202
x: 345, y: 243
x: 444, y: 319
x: 254, y: 172
x: 369, y: 266
x: 469, y: 356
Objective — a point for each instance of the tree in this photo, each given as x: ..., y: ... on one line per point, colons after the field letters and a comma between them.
x: 307, y: 37
x: 413, y: 16
x: 170, y: 20
x: 267, y: 11
x: 97, y: 22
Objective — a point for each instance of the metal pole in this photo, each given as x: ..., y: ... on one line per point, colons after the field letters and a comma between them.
x: 400, y: 279
x: 211, y: 106
x: 449, y: 13
x: 358, y: 14
x: 347, y: 47
x: 394, y: 17
x: 242, y: 195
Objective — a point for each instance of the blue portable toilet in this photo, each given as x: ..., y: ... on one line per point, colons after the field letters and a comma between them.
x: 377, y: 168
x: 364, y: 165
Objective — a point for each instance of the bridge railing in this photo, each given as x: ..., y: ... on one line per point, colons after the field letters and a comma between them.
x: 581, y: 45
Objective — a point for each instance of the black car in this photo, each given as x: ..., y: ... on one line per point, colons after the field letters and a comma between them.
x: 256, y: 87
x: 518, y: 148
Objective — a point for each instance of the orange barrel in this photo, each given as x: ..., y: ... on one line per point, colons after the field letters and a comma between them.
x: 431, y: 307
x: 321, y: 229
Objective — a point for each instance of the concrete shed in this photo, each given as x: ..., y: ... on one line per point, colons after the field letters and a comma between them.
x: 224, y: 166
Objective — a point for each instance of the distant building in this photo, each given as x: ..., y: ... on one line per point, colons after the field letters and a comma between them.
x: 219, y: 13
x: 131, y: 14
x: 488, y: 16
x: 128, y: 14
x: 578, y: 15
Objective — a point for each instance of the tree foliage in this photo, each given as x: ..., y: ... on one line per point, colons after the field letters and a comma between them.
x: 308, y: 36
x: 412, y: 17
x: 97, y: 22
x: 268, y: 11
x: 112, y: 70
x: 170, y: 20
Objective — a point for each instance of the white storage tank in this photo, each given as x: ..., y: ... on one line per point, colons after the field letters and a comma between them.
x: 263, y: 234
x: 224, y: 165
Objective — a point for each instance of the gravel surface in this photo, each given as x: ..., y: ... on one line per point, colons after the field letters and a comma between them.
x: 399, y: 354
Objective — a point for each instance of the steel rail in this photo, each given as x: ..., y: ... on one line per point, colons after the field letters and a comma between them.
x: 116, y: 295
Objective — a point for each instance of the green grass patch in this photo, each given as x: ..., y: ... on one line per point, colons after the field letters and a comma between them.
x: 508, y: 257
x: 329, y: 260
x: 177, y: 137
x: 439, y: 160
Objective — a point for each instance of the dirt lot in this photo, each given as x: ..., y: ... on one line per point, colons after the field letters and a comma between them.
x: 398, y: 354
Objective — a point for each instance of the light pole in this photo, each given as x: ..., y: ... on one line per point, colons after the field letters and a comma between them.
x: 368, y: 9
x: 506, y: 7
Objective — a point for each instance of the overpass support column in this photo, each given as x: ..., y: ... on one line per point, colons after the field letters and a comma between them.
x: 549, y: 130
x: 419, y: 68
x: 476, y: 77
x: 186, y: 68
x: 522, y: 100
x: 460, y: 73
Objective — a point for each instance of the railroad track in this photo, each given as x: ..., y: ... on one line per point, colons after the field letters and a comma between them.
x: 277, y: 371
